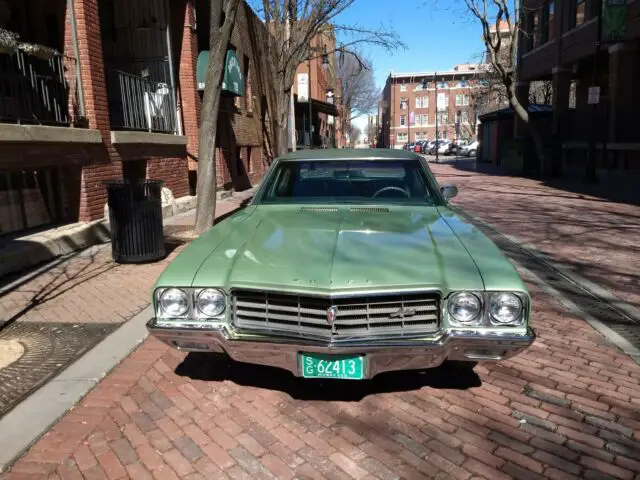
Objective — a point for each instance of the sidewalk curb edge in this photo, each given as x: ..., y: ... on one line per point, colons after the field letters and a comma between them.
x: 34, y: 416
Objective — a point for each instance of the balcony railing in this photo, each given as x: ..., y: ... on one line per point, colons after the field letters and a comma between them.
x: 137, y: 103
x: 34, y: 90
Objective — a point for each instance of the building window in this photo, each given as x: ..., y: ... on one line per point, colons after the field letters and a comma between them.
x: 418, y: 102
x: 403, y: 120
x: 443, y: 118
x: 446, y: 101
x: 425, y: 120
x: 404, y: 103
x: 535, y: 29
x: 402, y: 137
x: 458, y: 100
x: 425, y: 102
x: 580, y: 12
x: 465, y: 99
x: 547, y: 24
x: 418, y: 87
x: 248, y: 94
x: 442, y: 85
x: 403, y: 88
x: 464, y: 117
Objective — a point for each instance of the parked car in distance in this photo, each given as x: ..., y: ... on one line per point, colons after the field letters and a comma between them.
x: 469, y: 150
x: 443, y: 146
x: 346, y: 264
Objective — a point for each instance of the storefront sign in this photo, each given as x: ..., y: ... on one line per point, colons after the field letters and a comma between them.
x: 233, y: 79
x: 303, y: 87
x: 614, y: 20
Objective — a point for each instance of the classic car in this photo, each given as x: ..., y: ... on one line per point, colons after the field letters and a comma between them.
x: 346, y: 264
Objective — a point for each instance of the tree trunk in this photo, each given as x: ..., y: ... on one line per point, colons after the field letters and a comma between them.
x: 523, y: 114
x: 283, y: 100
x: 219, y: 37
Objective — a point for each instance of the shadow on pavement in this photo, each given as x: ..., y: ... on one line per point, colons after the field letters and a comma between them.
x: 217, y: 368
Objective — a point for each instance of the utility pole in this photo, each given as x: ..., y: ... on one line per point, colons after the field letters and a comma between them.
x: 590, y: 170
x: 292, y: 115
x: 435, y: 82
x: 310, y: 117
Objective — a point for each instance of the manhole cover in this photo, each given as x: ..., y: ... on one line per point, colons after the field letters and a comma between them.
x: 10, y: 351
x: 47, y: 348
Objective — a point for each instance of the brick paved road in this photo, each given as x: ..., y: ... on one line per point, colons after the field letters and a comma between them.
x: 597, y: 237
x: 569, y: 407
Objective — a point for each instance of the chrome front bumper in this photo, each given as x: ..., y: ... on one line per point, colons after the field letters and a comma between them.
x: 383, y: 355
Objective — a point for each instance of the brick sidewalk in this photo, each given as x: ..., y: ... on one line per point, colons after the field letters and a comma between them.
x: 596, y: 237
x: 89, y: 287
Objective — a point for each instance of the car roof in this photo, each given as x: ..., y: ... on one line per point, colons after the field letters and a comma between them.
x: 349, y: 154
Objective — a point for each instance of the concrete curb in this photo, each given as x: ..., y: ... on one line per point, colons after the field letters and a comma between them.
x: 35, y: 415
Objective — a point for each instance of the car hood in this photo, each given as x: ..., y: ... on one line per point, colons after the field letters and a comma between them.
x: 340, y: 249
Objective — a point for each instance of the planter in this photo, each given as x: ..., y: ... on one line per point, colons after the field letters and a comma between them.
x: 8, y: 41
x: 40, y: 51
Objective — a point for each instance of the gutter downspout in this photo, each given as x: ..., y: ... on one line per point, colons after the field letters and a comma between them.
x: 74, y: 35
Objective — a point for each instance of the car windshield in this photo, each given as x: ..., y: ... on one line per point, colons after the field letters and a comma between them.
x: 401, y: 182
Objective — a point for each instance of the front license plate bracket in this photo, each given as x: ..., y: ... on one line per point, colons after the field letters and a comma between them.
x: 329, y: 366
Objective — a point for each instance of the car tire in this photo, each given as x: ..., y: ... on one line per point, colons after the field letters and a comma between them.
x: 472, y: 153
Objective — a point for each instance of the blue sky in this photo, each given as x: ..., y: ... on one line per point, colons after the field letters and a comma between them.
x: 438, y: 34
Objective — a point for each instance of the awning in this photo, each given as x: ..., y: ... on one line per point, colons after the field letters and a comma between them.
x: 233, y: 80
x: 318, y: 106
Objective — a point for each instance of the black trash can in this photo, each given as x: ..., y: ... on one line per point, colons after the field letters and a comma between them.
x: 135, y: 215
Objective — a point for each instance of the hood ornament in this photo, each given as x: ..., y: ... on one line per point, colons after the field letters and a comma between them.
x: 332, y: 313
x: 403, y: 313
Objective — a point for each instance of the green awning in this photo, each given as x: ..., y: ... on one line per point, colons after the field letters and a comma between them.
x: 233, y: 80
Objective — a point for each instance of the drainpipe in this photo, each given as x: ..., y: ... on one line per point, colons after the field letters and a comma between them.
x: 171, y: 72
x: 74, y: 35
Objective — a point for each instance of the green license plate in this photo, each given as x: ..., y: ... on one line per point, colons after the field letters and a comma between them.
x: 332, y: 366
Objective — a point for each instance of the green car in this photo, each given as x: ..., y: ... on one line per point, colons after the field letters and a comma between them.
x: 346, y: 264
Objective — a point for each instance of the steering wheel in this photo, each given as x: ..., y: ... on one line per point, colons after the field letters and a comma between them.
x: 388, y: 189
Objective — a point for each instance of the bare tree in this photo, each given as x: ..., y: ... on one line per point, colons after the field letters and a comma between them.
x: 354, y: 134
x: 501, y: 54
x: 360, y: 95
x: 371, y: 131
x: 297, y: 24
x: 223, y: 18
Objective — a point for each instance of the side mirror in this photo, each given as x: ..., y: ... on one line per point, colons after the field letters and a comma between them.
x: 449, y: 191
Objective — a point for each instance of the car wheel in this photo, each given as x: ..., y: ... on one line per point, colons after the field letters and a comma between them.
x: 472, y: 153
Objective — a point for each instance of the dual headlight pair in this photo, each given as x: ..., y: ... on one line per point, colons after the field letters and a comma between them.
x: 175, y: 302
x: 465, y: 308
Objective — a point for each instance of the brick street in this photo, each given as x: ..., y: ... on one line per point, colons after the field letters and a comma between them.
x: 566, y: 408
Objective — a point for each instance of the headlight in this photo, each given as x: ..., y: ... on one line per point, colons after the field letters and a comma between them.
x: 464, y: 307
x: 506, y: 308
x: 210, y: 302
x: 174, y: 302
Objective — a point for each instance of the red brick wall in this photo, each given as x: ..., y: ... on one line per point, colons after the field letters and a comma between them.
x: 173, y: 171
x: 189, y: 98
x: 92, y: 191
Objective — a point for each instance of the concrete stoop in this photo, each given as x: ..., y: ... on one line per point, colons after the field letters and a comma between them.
x: 30, y: 250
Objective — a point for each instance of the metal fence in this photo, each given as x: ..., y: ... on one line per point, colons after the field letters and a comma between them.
x: 137, y: 103
x: 38, y: 91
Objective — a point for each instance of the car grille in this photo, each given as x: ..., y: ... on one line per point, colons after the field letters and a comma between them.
x: 399, y: 314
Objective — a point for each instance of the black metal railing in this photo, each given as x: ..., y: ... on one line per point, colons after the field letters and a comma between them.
x: 35, y: 90
x: 137, y: 103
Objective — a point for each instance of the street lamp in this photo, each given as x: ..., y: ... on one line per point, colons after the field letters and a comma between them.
x: 325, y: 65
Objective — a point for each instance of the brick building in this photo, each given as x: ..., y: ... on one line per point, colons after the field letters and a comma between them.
x: 558, y: 45
x: 316, y: 78
x: 104, y: 89
x: 409, y: 105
